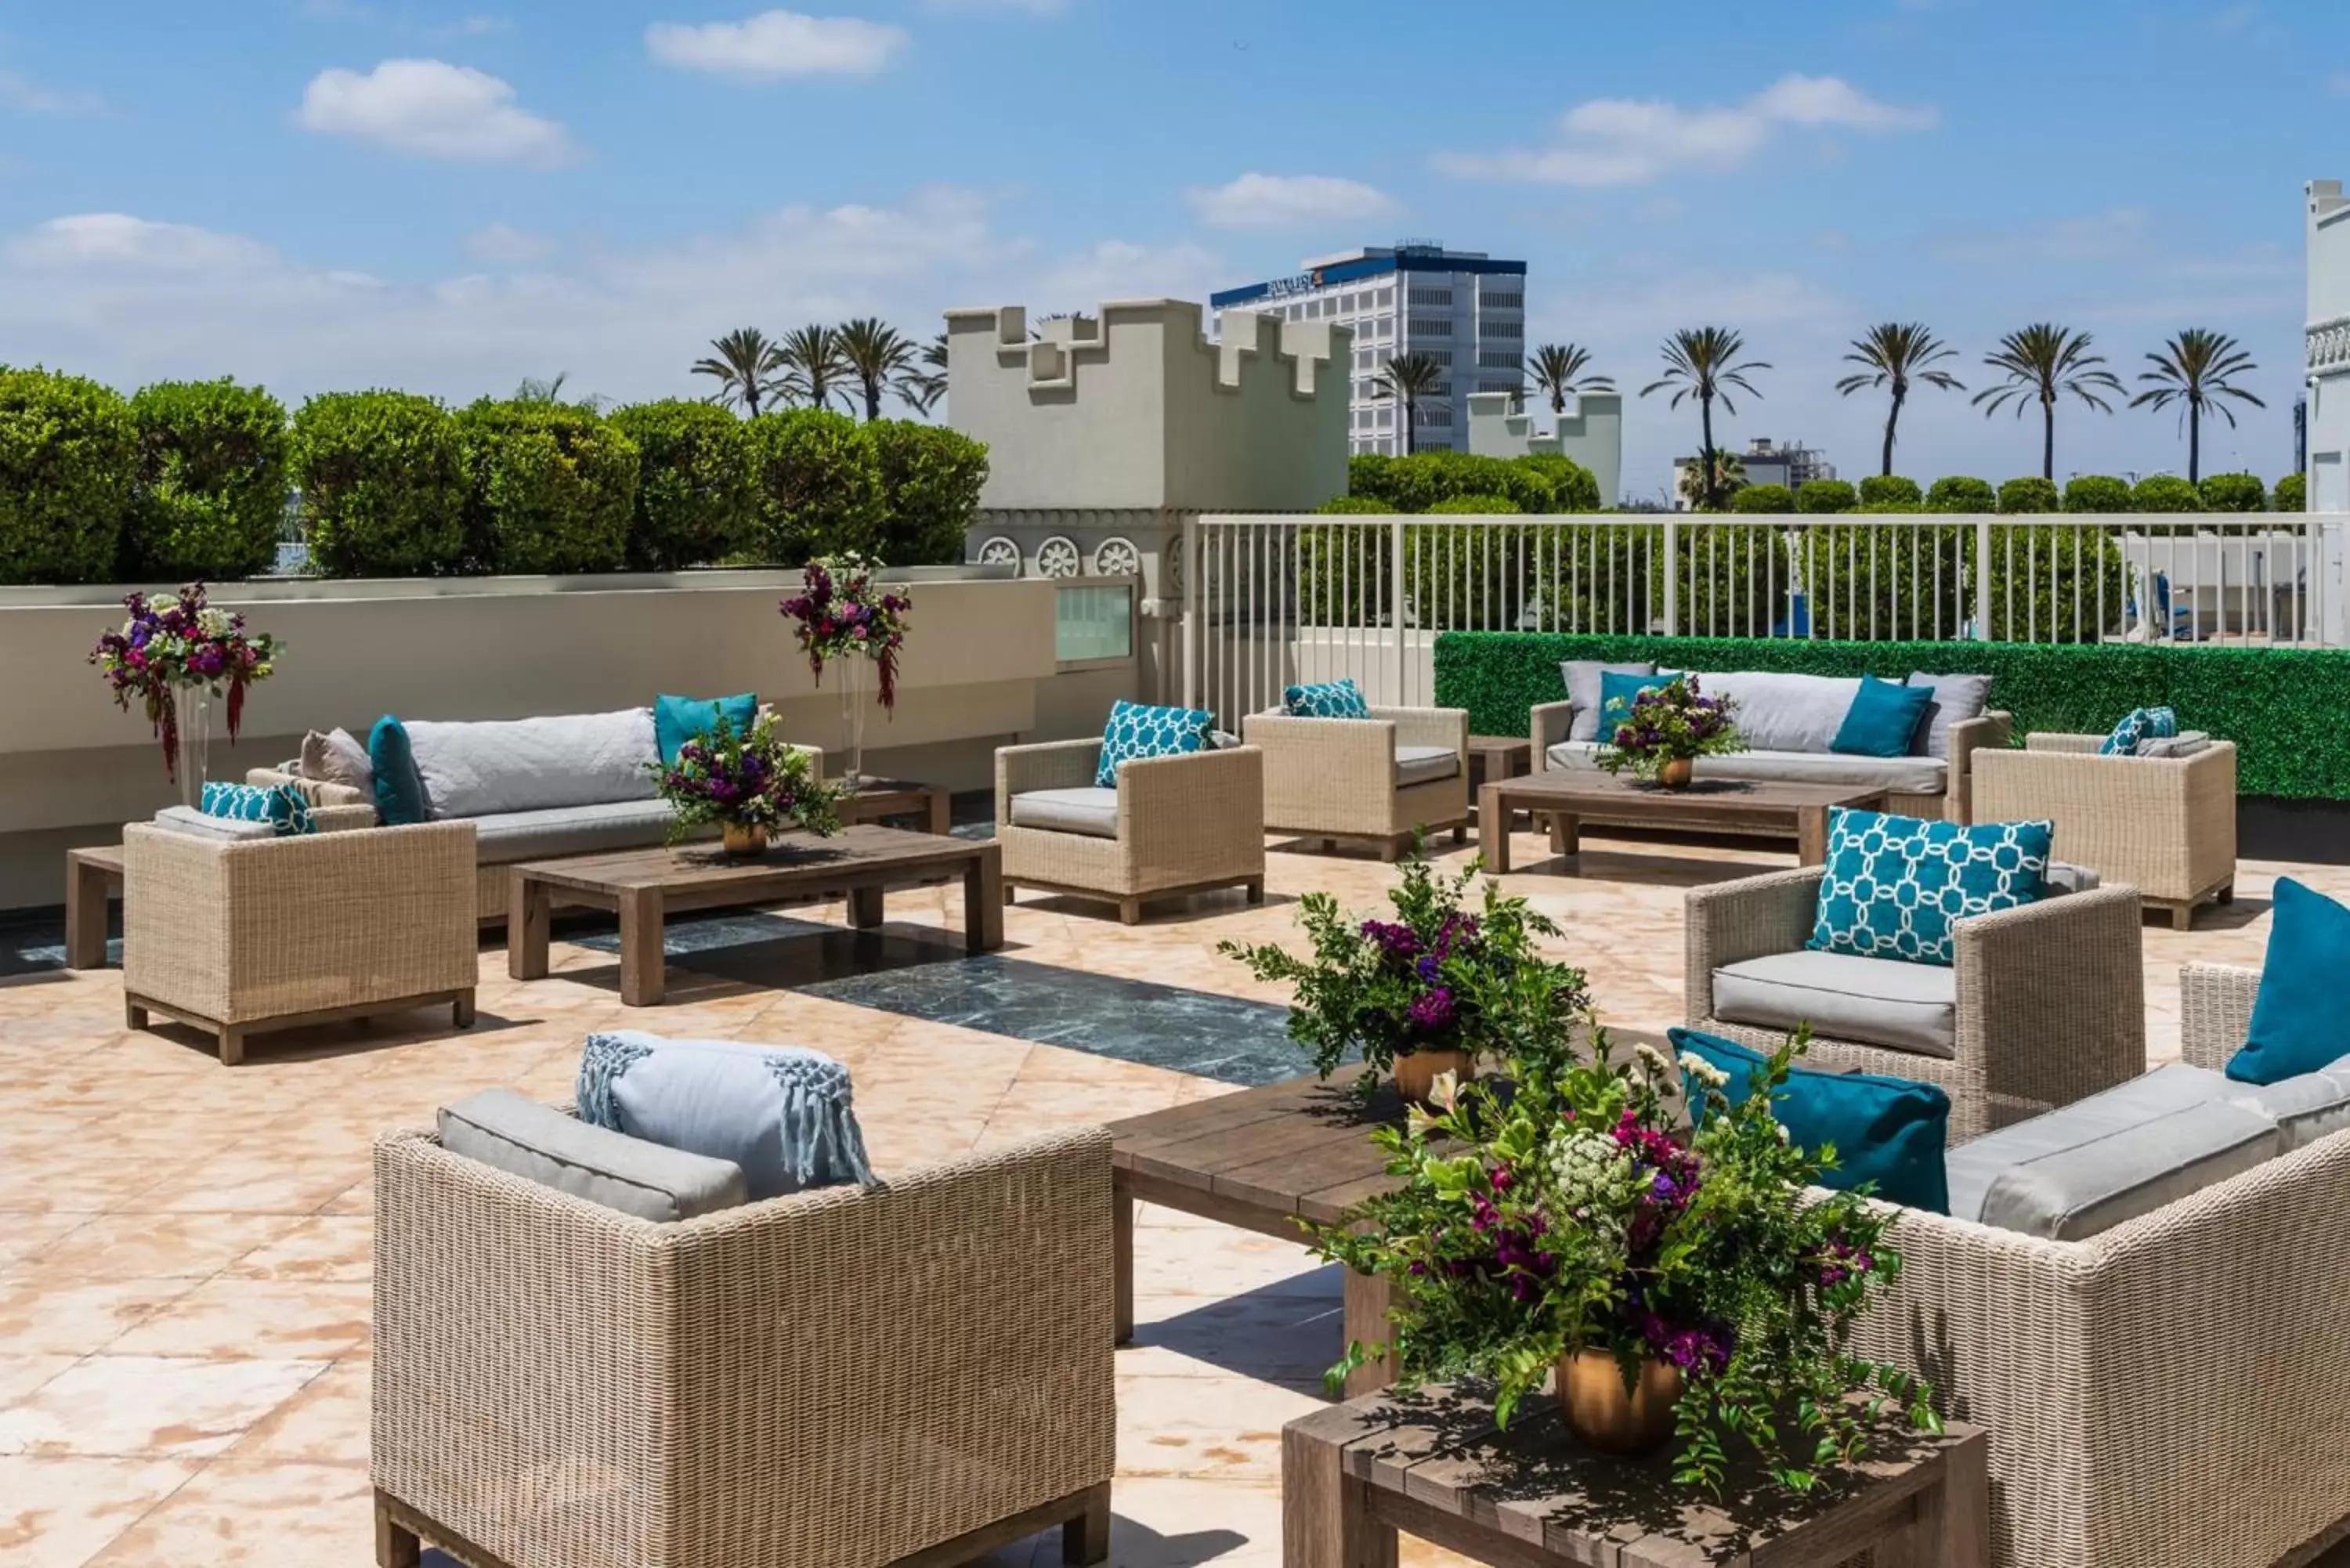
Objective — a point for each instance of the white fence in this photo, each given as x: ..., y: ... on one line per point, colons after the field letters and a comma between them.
x: 1271, y: 600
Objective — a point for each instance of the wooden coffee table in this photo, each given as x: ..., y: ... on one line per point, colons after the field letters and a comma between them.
x: 1435, y: 1466
x: 875, y: 799
x: 643, y: 886
x: 1798, y: 811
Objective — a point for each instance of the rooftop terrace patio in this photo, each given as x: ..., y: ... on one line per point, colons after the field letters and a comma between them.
x: 185, y: 1251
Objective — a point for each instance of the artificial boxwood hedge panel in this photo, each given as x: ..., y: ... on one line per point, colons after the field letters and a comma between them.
x: 2282, y: 706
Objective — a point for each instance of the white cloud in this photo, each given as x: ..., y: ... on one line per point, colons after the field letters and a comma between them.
x: 1288, y: 202
x: 777, y: 44
x: 118, y: 242
x: 504, y: 242
x: 475, y: 27
x: 434, y: 110
x: 1120, y: 269
x: 1632, y: 141
x: 20, y: 91
x: 1033, y: 7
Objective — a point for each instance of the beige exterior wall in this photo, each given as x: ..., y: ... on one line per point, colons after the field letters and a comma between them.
x: 1592, y: 435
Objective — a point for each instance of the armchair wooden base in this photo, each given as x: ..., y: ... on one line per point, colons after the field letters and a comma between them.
x: 2182, y: 910
x: 231, y: 1037
x: 1389, y: 847
x: 1130, y: 907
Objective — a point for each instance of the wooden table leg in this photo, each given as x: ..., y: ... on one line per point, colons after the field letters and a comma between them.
x: 1122, y: 1253
x: 530, y: 906
x: 865, y: 908
x: 1565, y: 835
x: 941, y: 811
x: 87, y: 888
x: 1364, y: 1315
x: 1811, y: 835
x: 982, y: 903
x: 1326, y: 1514
x: 1493, y: 830
x: 644, y: 963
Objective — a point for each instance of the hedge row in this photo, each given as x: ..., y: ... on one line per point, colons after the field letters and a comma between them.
x: 2282, y: 706
x: 1446, y: 480
x: 192, y: 479
x: 2083, y: 492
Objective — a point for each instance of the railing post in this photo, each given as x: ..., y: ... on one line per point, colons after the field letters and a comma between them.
x: 1982, y: 579
x: 1396, y: 576
x: 1189, y: 544
x: 1672, y: 573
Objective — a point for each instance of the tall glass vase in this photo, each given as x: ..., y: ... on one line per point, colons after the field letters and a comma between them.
x: 854, y: 700
x: 191, y: 706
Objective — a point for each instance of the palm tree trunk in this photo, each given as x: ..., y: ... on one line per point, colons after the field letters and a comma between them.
x: 1410, y: 426
x: 2048, y: 440
x: 1892, y: 417
x: 1705, y: 453
x: 1558, y: 401
x: 872, y: 400
x: 751, y: 397
x: 2194, y: 442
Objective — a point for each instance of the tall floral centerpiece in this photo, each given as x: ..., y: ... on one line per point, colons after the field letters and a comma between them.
x: 1659, y: 734
x: 1679, y: 1284
x: 842, y: 615
x: 749, y: 783
x: 1427, y: 992
x: 175, y: 654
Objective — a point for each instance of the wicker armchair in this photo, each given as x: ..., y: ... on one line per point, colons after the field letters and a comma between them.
x: 2165, y: 824
x: 2051, y: 997
x: 1342, y: 780
x: 848, y: 1378
x: 1184, y: 824
x: 238, y: 938
x: 2174, y: 1391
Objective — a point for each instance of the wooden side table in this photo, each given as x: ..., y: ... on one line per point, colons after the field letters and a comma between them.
x: 1492, y: 758
x: 1433, y: 1466
x: 877, y: 799
x: 92, y: 877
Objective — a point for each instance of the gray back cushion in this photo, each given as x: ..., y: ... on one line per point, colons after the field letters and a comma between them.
x: 2072, y: 1194
x: 523, y: 1137
x: 486, y: 768
x: 1779, y: 712
x: 1974, y: 1166
x: 1956, y: 698
x: 1583, y: 690
x: 2306, y: 1106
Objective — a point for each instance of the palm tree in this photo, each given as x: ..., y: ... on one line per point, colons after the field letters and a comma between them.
x: 2194, y: 370
x: 813, y: 367
x: 1409, y: 377
x: 746, y: 365
x: 534, y: 391
x: 875, y: 356
x: 1895, y: 353
x: 1702, y: 362
x: 1729, y: 478
x: 2041, y: 363
x: 1560, y: 369
x: 923, y: 383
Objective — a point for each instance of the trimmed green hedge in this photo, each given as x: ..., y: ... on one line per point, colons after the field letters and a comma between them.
x: 68, y: 464
x: 2282, y: 706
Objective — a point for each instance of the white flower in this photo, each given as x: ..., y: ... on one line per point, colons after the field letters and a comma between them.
x: 212, y: 622
x: 1703, y: 1071
x: 1781, y: 1128
x: 1444, y: 1090
x: 1587, y: 1166
x: 163, y: 604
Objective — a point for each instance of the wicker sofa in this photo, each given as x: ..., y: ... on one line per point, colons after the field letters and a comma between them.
x: 1173, y: 826
x: 2172, y: 1393
x: 2165, y: 824
x: 309, y: 930
x: 1381, y: 781
x: 2047, y: 1003
x: 920, y: 1372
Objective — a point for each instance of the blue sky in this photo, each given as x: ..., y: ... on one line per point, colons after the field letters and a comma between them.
x: 449, y: 195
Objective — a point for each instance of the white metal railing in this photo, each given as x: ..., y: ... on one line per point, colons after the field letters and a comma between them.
x: 1275, y: 599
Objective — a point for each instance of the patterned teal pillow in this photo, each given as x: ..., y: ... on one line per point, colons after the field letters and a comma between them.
x: 280, y: 805
x: 1896, y: 886
x: 1137, y: 730
x: 1330, y: 699
x: 2139, y: 725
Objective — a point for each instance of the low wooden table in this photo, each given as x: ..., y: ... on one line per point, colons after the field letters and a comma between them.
x: 1434, y: 1466
x: 1496, y: 757
x: 643, y: 886
x: 875, y: 799
x: 1799, y: 811
x: 92, y: 877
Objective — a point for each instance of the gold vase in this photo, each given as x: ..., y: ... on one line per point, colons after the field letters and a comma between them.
x: 1609, y: 1416
x: 1416, y: 1074
x: 745, y: 842
x: 1678, y: 772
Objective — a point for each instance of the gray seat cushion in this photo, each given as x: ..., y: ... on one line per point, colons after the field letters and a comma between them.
x: 1583, y: 689
x: 1425, y: 764
x: 1875, y: 1002
x: 2066, y: 877
x: 508, y: 838
x: 1909, y: 775
x: 1974, y: 1166
x: 2306, y: 1106
x: 2072, y: 1194
x: 486, y: 769
x: 523, y: 1137
x: 1090, y: 811
x: 1956, y: 698
x: 2186, y: 744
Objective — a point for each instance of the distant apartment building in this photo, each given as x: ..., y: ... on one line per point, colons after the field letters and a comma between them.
x: 1464, y: 309
x: 1764, y: 461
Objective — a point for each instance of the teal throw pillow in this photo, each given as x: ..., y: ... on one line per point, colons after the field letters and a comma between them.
x: 1887, y: 1131
x: 1896, y: 886
x: 399, y: 787
x: 1340, y: 699
x: 1617, y: 692
x: 1137, y: 730
x: 281, y: 806
x: 2297, y: 1024
x: 1882, y: 719
x: 677, y: 720
x: 2138, y: 726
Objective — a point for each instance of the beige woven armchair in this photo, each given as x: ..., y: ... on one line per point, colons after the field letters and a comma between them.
x: 2166, y: 824
x: 1173, y: 827
x: 239, y: 937
x: 2047, y: 1003
x: 919, y: 1373
x: 1379, y: 781
x: 2169, y: 1394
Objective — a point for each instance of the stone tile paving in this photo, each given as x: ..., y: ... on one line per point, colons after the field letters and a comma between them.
x: 185, y: 1250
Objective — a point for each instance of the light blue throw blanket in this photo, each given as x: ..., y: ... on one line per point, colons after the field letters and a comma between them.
x: 782, y: 1112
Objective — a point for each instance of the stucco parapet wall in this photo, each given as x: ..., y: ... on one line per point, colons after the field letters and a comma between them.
x: 1052, y: 359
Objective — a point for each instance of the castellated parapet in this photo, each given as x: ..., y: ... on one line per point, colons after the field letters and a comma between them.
x: 1592, y: 435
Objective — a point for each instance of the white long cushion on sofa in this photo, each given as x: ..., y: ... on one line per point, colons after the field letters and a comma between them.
x: 1425, y: 764
x: 1877, y: 1001
x: 1779, y: 712
x: 508, y: 838
x: 1089, y: 811
x: 484, y: 769
x: 1908, y: 775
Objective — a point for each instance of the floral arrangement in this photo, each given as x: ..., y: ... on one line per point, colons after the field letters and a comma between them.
x: 1674, y: 723
x: 1576, y: 1212
x: 746, y: 779
x: 841, y: 612
x: 171, y: 641
x: 1435, y: 978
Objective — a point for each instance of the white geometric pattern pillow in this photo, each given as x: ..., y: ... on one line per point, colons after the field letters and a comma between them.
x: 1896, y: 886
x: 1136, y: 730
x: 2138, y: 726
x: 1340, y: 699
x: 282, y: 807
